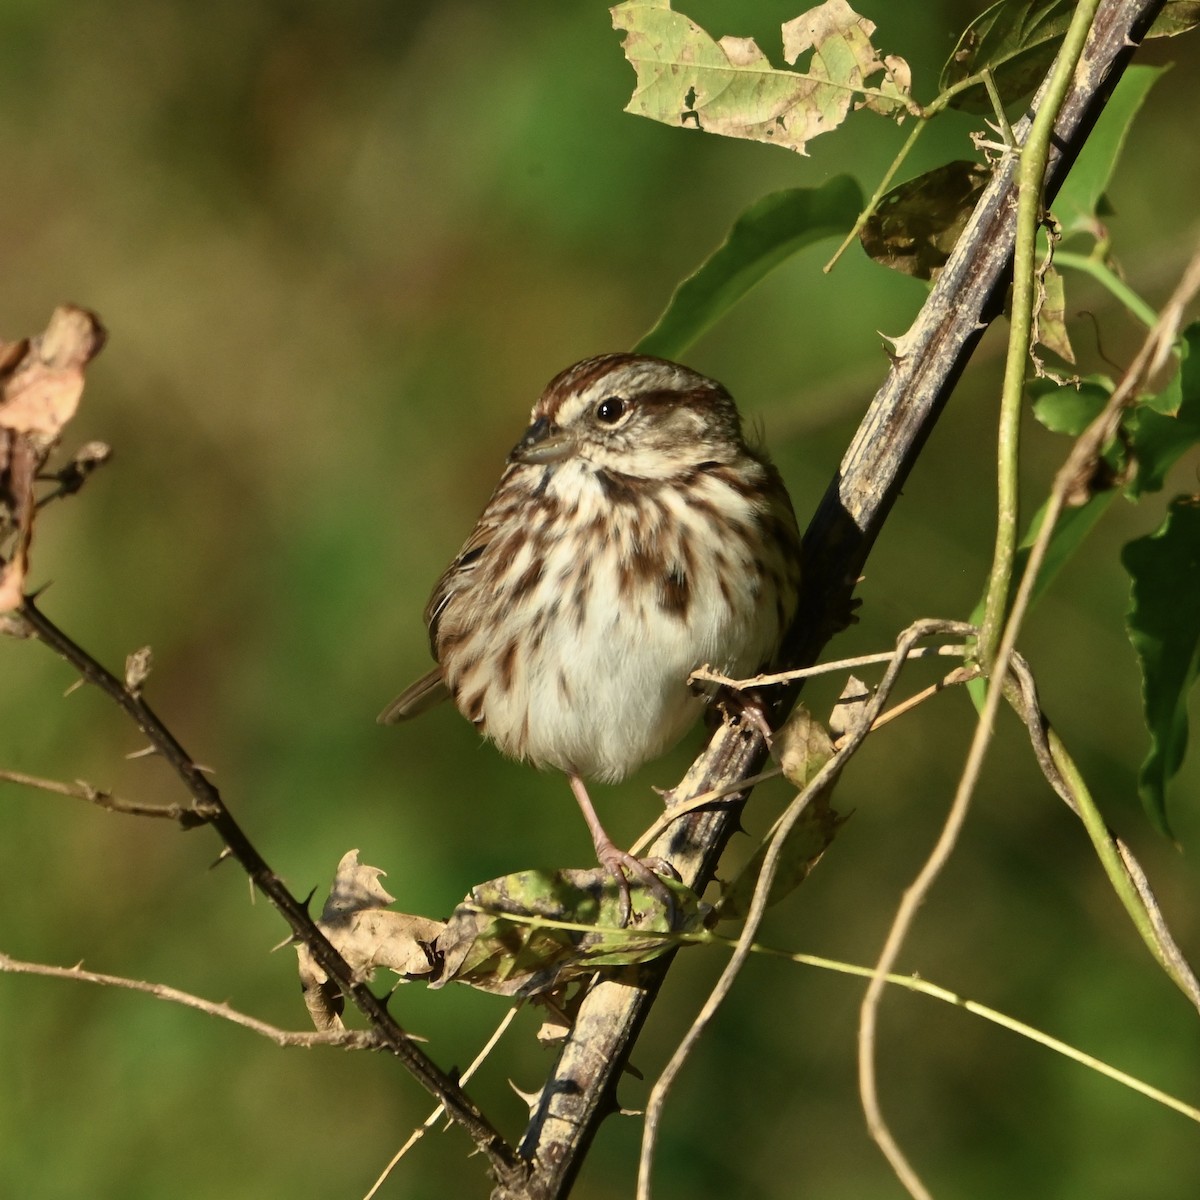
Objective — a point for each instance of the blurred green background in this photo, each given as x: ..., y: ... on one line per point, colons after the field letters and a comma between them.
x: 339, y: 250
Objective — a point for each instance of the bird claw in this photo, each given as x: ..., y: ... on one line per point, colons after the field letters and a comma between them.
x: 622, y: 865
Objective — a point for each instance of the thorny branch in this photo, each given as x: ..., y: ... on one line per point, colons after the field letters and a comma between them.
x: 208, y: 801
x: 350, y: 1039
x: 929, y: 359
x: 188, y: 815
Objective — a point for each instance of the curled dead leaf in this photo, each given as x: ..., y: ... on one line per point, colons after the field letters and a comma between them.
x: 367, y: 935
x: 494, y: 940
x: 41, y: 381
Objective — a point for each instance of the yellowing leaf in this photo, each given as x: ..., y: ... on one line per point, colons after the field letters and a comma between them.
x: 688, y: 79
x: 803, y: 746
x: 493, y: 942
x: 1051, y: 316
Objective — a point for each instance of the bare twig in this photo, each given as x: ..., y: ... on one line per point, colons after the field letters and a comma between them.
x: 924, y: 987
x: 707, y: 675
x: 446, y: 1090
x: 437, y: 1114
x: 953, y: 679
x: 187, y: 815
x: 678, y: 809
x: 349, y: 1039
x: 820, y: 782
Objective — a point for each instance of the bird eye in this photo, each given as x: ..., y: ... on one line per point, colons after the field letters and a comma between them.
x: 610, y: 410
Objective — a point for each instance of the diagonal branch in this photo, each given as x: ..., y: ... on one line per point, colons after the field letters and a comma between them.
x: 208, y: 801
x: 928, y: 361
x: 349, y: 1039
x: 188, y: 815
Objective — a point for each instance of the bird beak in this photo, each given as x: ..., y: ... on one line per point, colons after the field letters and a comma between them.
x: 542, y: 443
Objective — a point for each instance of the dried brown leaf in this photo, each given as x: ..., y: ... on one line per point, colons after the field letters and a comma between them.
x: 849, y: 711
x: 41, y: 380
x: 137, y: 668
x: 917, y: 224
x: 1050, y: 320
x: 803, y: 745
x: 367, y: 935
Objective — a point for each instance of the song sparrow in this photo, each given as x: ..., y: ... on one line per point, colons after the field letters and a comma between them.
x: 633, y: 537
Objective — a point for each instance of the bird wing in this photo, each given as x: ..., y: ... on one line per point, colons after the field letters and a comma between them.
x: 429, y: 690
x: 456, y: 576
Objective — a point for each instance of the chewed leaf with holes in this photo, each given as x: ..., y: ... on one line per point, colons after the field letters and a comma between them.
x: 1016, y: 40
x: 689, y: 79
x: 493, y: 940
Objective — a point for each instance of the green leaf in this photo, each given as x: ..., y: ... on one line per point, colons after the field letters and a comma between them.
x: 1017, y: 39
x: 1067, y: 409
x: 768, y: 232
x: 1070, y: 530
x: 1077, y: 204
x: 1177, y: 16
x: 1164, y: 627
x: 1158, y: 436
x: 688, y: 79
x: 917, y: 223
x: 494, y: 940
x: 1050, y: 320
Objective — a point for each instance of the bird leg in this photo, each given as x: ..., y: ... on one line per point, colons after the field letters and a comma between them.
x: 754, y: 713
x: 619, y: 863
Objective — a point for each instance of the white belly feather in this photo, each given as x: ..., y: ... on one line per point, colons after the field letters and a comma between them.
x: 606, y: 687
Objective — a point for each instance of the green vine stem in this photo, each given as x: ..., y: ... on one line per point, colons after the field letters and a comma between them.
x: 1141, y: 907
x: 1100, y: 271
x: 1031, y: 176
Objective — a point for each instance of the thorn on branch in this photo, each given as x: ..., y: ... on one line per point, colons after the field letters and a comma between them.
x: 187, y: 815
